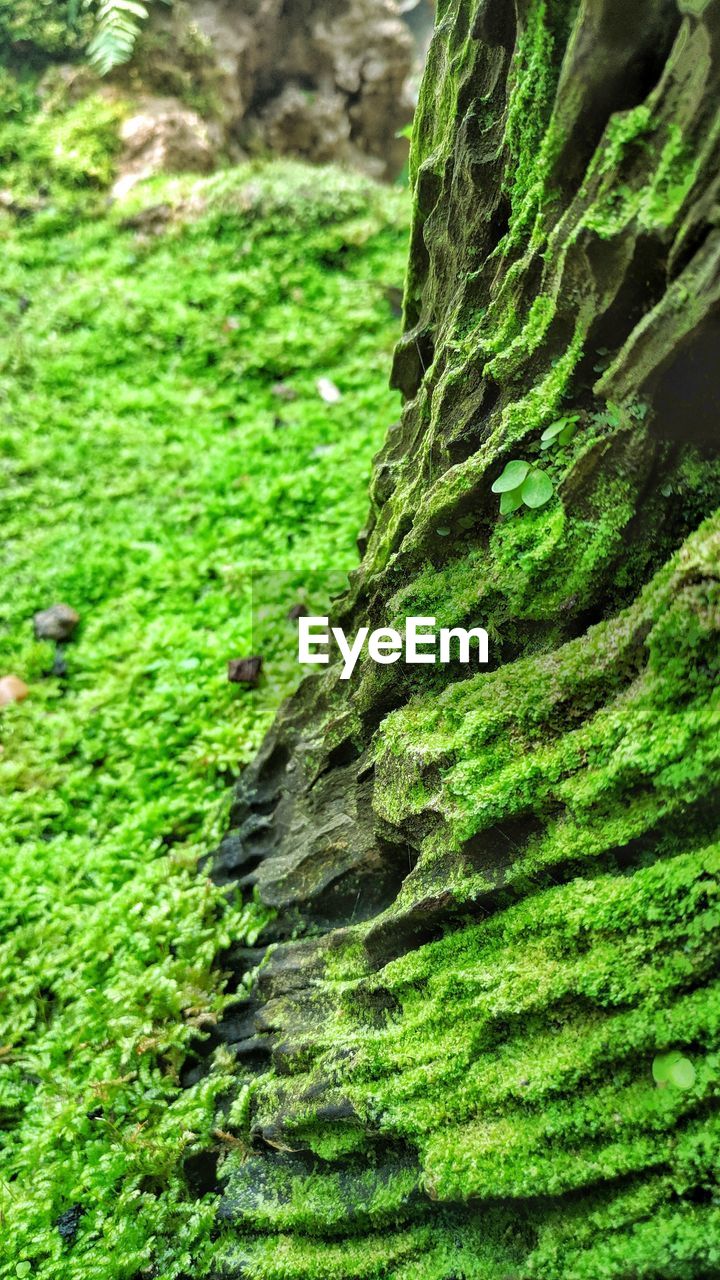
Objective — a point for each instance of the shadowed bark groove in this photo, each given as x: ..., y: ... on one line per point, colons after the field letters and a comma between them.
x: 494, y: 893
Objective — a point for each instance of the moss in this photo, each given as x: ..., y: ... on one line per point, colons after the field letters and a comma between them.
x: 62, y: 153
x: 516, y: 351
x: 657, y: 202
x: 528, y: 137
x: 144, y: 458
x: 463, y: 1083
x: 49, y: 26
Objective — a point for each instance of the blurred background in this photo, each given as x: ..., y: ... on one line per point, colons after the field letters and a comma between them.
x: 209, y: 83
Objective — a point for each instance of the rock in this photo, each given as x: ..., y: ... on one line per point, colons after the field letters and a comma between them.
x: 316, y: 126
x: 245, y: 671
x: 405, y: 831
x: 56, y: 623
x: 12, y: 689
x: 316, y: 78
x: 231, y: 30
x: 164, y: 136
x: 69, y: 1221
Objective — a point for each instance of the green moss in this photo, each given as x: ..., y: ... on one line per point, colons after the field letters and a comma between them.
x: 573, y: 793
x: 532, y: 88
x: 57, y: 154
x: 514, y: 353
x: 146, y: 467
x: 483, y: 1103
x: 50, y: 26
x: 657, y: 202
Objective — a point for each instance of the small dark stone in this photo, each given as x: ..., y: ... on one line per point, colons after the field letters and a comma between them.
x: 244, y: 671
x: 56, y: 623
x: 69, y: 1221
x: 23, y: 304
x: 297, y: 611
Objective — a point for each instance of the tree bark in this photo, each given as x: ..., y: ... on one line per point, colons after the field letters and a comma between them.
x: 493, y: 892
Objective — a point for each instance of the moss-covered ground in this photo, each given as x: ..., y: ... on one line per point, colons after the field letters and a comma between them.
x: 147, y: 467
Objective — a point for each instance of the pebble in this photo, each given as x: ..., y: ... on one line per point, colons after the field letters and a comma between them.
x: 56, y: 623
x: 244, y: 671
x: 12, y: 689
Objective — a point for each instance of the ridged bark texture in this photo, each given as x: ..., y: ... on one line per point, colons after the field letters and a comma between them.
x: 496, y: 893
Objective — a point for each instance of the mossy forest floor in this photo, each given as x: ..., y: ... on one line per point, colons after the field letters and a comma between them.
x: 147, y: 466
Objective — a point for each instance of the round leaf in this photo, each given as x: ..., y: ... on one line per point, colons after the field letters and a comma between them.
x: 567, y: 433
x: 513, y: 475
x: 537, y: 488
x: 663, y: 1065
x: 554, y: 429
x: 510, y: 502
x: 682, y: 1074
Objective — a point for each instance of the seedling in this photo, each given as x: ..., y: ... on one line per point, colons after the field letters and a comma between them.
x: 560, y: 432
x: 521, y: 484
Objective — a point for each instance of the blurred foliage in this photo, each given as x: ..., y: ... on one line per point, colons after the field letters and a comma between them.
x: 54, y: 27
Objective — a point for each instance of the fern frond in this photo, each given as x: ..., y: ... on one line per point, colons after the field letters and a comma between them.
x: 118, y: 26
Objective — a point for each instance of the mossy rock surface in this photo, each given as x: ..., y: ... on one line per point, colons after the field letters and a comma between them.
x: 496, y: 893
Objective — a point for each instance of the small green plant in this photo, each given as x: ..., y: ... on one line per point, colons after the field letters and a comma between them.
x: 610, y: 417
x: 560, y: 432
x: 674, y: 1069
x: 117, y: 29
x: 522, y: 484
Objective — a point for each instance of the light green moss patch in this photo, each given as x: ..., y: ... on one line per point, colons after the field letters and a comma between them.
x: 147, y: 465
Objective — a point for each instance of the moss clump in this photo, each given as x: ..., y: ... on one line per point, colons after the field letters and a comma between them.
x: 49, y: 26
x: 60, y: 159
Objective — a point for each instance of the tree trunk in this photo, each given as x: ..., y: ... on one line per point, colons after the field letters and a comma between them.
x: 494, y: 890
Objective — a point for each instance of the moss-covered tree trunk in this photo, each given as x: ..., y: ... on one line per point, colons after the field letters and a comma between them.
x: 496, y: 893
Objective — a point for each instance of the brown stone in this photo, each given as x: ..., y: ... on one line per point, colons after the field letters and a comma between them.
x: 12, y: 689
x: 164, y: 136
x: 244, y: 671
